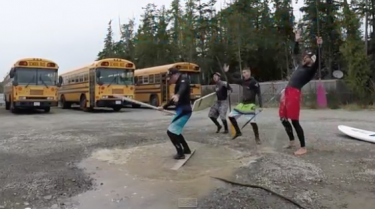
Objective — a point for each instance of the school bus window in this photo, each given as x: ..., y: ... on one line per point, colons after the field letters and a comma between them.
x: 36, y: 76
x: 117, y: 76
x: 194, y: 78
x: 81, y: 78
x: 151, y: 79
x: 145, y: 79
x: 157, y: 78
x: 85, y: 77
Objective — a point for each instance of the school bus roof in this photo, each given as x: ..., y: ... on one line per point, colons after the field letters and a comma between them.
x: 165, y: 68
x: 16, y: 64
x: 98, y: 64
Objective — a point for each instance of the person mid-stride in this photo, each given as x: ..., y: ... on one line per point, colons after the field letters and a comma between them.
x: 289, y: 108
x: 220, y: 107
x: 181, y: 99
x: 247, y: 107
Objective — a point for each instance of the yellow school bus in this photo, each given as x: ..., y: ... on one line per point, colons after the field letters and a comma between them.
x: 152, y: 86
x: 97, y: 84
x: 31, y: 84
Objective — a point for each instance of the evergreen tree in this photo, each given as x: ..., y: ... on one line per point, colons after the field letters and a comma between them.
x: 353, y: 51
x: 248, y: 33
x: 108, y: 50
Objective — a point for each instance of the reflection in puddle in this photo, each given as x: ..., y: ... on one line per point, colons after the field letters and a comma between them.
x: 141, y: 177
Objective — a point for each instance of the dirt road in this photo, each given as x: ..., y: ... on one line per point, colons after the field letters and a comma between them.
x: 72, y: 159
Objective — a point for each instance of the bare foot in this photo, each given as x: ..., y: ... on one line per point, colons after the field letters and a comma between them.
x: 300, y: 151
x: 290, y: 145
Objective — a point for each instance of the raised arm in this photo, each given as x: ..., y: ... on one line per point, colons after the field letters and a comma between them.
x: 318, y: 54
x: 233, y: 79
x: 296, y: 50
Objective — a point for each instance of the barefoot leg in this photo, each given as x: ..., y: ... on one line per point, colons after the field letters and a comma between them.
x: 300, y: 151
x: 290, y: 145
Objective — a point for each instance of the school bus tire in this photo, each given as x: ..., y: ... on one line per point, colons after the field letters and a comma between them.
x: 64, y: 104
x: 7, y: 105
x: 154, y: 101
x: 13, y: 109
x: 83, y: 103
x: 47, y: 109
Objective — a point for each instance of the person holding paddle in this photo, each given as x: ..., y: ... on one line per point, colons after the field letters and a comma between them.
x: 247, y: 107
x: 220, y: 107
x: 290, y: 99
x: 181, y: 99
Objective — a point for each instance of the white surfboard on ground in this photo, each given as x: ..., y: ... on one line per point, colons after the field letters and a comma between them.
x: 360, y: 134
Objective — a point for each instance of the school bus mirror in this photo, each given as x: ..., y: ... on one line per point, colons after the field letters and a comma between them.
x: 11, y: 73
x: 14, y: 83
x: 61, y: 80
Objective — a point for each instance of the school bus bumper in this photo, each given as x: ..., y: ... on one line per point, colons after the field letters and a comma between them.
x: 36, y: 104
x: 109, y: 103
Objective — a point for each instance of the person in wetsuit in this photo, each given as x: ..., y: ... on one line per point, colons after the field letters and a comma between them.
x: 290, y: 99
x: 181, y: 99
x: 247, y: 107
x: 220, y: 107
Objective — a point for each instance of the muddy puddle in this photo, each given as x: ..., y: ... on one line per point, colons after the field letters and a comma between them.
x: 142, y: 178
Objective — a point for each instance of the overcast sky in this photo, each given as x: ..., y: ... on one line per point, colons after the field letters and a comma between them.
x: 69, y: 32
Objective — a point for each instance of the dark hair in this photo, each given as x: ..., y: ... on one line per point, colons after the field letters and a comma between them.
x: 173, y: 71
x: 246, y: 69
x: 217, y: 73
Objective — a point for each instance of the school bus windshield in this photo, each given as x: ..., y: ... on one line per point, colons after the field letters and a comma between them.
x: 36, y: 76
x: 194, y: 77
x: 116, y: 76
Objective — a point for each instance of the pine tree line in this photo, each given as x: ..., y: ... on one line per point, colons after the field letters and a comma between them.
x: 250, y: 33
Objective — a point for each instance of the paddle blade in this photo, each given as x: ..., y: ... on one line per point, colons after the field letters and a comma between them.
x: 232, y: 130
x: 204, y: 102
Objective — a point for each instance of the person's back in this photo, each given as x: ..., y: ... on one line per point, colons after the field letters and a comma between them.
x: 183, y: 83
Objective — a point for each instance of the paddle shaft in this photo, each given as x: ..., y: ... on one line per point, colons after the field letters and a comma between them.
x: 143, y: 104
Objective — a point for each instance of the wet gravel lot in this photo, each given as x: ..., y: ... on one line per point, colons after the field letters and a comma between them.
x: 39, y: 154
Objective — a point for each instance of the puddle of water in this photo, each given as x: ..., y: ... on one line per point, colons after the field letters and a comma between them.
x: 141, y: 177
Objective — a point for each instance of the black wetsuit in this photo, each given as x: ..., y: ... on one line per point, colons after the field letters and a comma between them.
x: 221, y: 90
x: 220, y: 107
x: 300, y: 77
x: 303, y: 74
x: 183, y: 113
x: 251, y: 89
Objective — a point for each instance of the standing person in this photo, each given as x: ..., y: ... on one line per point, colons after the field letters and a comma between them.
x: 247, y: 107
x: 220, y: 107
x: 181, y: 99
x: 290, y: 99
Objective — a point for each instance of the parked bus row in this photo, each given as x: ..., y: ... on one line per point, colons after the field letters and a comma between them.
x: 34, y: 83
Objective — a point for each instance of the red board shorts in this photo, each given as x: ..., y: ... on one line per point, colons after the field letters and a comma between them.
x: 290, y: 103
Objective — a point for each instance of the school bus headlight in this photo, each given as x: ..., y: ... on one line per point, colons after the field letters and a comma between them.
x: 104, y: 97
x: 49, y: 98
x: 22, y: 98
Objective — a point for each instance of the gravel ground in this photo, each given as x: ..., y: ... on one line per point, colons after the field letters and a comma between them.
x: 39, y: 154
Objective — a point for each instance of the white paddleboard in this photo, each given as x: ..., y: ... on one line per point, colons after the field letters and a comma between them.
x: 360, y: 134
